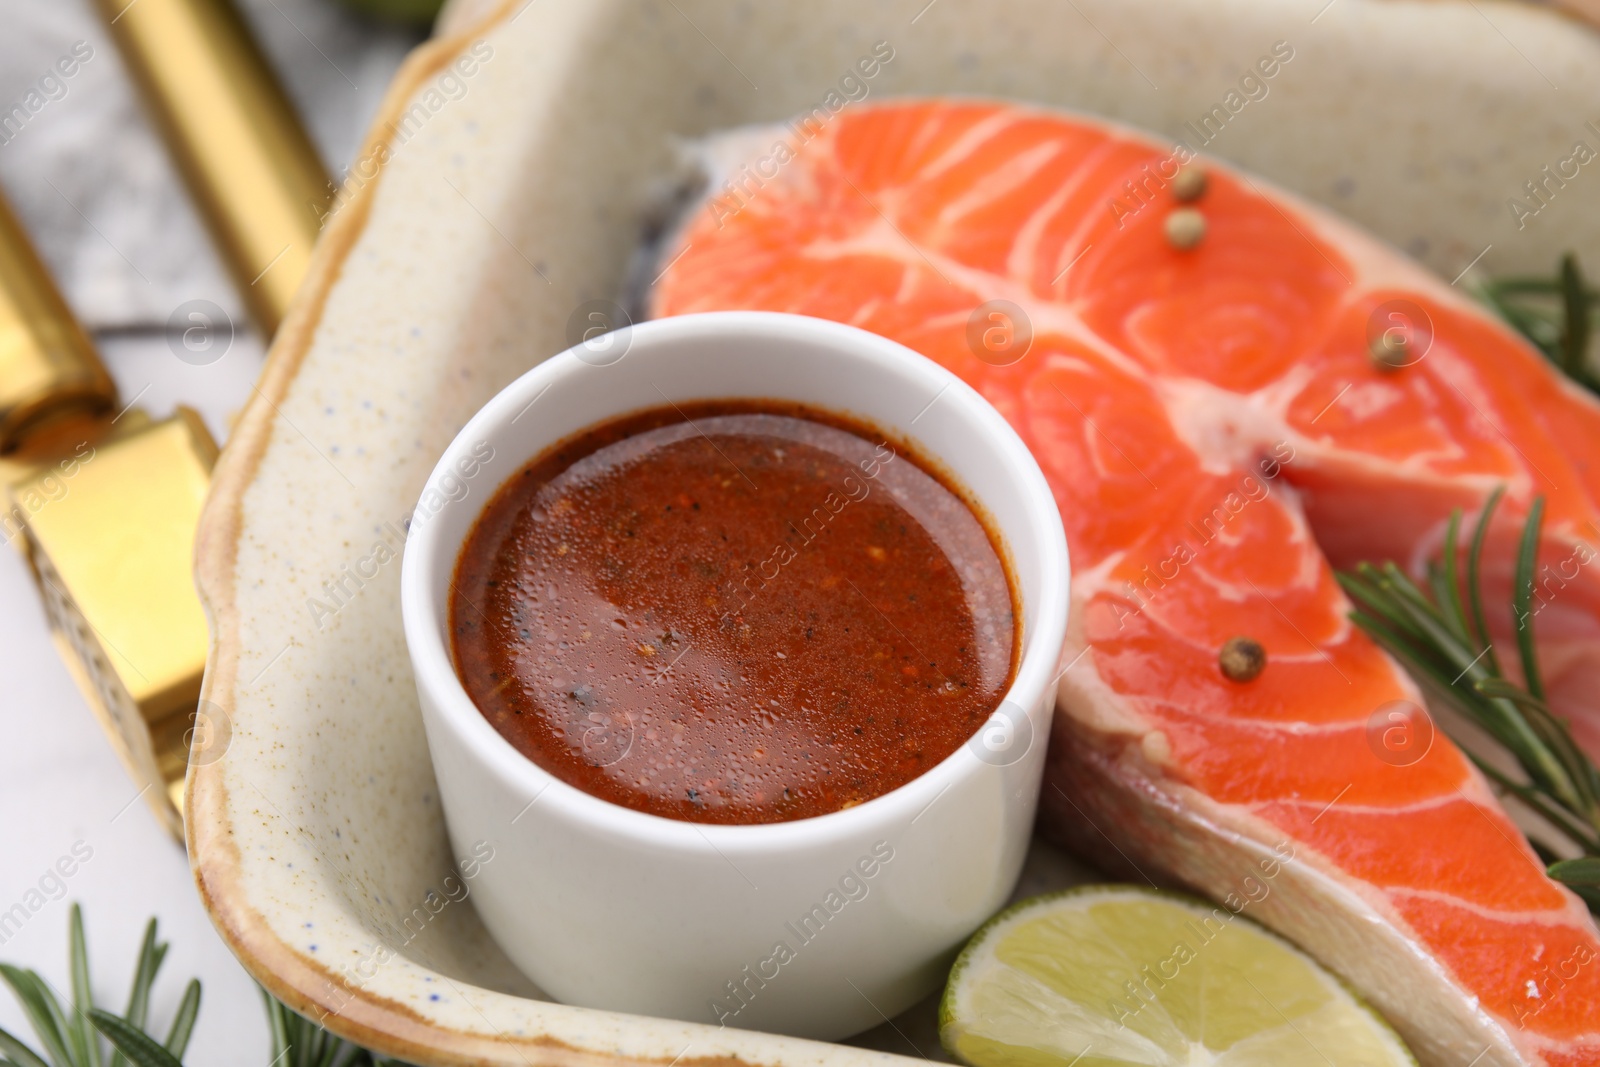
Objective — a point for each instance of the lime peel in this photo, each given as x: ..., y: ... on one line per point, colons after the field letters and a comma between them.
x: 1108, y: 975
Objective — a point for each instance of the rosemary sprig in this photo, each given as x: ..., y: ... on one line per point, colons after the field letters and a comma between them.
x: 1451, y: 653
x: 1582, y: 876
x: 299, y: 1042
x: 72, y: 1041
x: 1557, y: 314
x: 75, y: 1041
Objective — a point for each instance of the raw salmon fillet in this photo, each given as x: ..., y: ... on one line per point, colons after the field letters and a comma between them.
x: 1219, y: 438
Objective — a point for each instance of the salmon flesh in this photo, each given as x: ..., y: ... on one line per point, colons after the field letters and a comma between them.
x: 1219, y: 437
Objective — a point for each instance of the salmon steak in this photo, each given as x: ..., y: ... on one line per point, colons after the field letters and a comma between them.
x: 1202, y: 394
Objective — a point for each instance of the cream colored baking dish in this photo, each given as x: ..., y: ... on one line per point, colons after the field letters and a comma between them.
x: 510, y: 178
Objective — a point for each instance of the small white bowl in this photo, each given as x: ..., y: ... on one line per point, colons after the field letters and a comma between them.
x: 818, y: 927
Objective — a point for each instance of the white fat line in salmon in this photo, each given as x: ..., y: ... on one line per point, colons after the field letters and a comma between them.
x: 811, y: 526
x: 1149, y: 980
x: 852, y: 885
x: 1252, y: 86
x: 1206, y: 529
x: 742, y: 187
x: 1543, y: 187
x: 454, y: 888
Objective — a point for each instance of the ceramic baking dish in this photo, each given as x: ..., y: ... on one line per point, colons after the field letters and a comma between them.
x: 512, y: 175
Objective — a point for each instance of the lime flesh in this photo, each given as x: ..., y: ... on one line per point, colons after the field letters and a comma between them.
x: 1110, y: 975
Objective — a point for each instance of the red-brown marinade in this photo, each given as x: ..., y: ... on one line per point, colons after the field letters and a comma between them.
x: 733, y: 612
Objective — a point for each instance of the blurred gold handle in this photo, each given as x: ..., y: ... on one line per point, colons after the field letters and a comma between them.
x: 248, y: 162
x: 48, y: 367
x: 103, y: 509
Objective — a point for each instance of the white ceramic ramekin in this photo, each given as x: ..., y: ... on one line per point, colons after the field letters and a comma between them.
x: 819, y: 927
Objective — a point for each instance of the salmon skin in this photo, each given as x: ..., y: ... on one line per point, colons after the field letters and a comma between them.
x: 1219, y: 437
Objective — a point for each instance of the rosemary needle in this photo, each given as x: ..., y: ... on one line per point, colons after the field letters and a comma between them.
x: 1452, y: 654
x: 1555, y: 313
x: 74, y: 1040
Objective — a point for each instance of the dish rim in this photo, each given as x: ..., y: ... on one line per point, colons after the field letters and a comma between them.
x: 371, y: 1020
x: 375, y: 1021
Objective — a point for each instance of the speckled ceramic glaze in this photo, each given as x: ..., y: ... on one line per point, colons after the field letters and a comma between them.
x: 508, y: 181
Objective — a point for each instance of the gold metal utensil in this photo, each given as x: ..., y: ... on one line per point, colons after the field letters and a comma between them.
x: 48, y: 367
x: 245, y: 157
x: 103, y: 506
x: 109, y: 534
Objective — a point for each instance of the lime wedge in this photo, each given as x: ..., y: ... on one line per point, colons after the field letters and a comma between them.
x: 1104, y: 975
